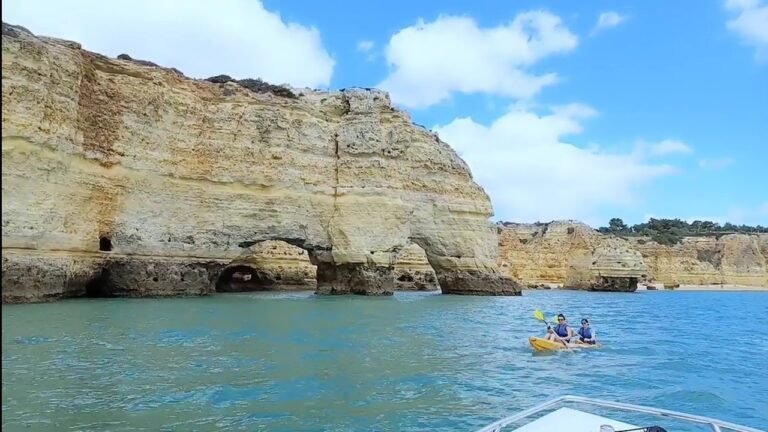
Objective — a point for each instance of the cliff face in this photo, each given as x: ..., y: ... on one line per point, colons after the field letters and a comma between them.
x: 122, y: 178
x: 738, y: 259
x: 276, y: 265
x: 543, y: 253
x: 270, y: 265
x: 612, y: 265
x: 575, y: 256
x: 571, y: 253
x: 413, y: 272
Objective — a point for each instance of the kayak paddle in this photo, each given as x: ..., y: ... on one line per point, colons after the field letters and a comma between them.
x: 539, y: 315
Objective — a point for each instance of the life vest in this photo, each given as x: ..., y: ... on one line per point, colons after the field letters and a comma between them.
x: 561, y: 330
x: 585, y: 333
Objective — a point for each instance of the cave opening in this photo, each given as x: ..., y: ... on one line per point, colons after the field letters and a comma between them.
x: 105, y: 244
x: 269, y: 265
x: 243, y: 278
x: 99, y: 286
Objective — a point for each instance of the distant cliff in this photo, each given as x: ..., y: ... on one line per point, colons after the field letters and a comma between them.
x: 738, y: 259
x: 571, y: 254
x: 547, y: 253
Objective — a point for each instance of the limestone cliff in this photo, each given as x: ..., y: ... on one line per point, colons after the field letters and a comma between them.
x: 611, y: 266
x: 566, y: 252
x: 737, y: 259
x: 542, y: 253
x: 571, y: 254
x: 120, y: 177
x: 270, y: 265
x: 413, y: 272
x: 276, y: 265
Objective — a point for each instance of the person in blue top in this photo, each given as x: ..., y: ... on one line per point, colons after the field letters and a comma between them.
x: 587, y: 334
x: 562, y: 332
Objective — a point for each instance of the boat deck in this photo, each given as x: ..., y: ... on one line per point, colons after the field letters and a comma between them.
x: 571, y: 420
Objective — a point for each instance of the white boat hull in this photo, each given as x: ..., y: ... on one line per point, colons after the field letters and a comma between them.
x: 571, y: 420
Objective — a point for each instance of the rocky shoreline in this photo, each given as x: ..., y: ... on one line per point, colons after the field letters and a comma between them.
x: 658, y: 287
x: 122, y: 178
x: 562, y: 253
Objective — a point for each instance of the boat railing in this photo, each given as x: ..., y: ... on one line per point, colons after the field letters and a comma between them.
x: 716, y: 425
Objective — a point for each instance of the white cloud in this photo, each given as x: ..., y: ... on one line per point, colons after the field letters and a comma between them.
x: 532, y: 174
x: 608, y: 19
x: 431, y: 61
x: 365, y: 46
x: 664, y: 147
x: 715, y: 164
x: 234, y: 37
x: 668, y: 146
x: 741, y: 4
x: 750, y: 23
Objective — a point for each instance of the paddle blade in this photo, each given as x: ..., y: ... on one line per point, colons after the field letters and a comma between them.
x: 539, y: 315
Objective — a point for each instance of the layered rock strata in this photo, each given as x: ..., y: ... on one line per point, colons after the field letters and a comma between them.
x: 563, y: 253
x: 270, y: 265
x: 276, y: 265
x: 732, y: 259
x: 541, y: 254
x: 127, y: 176
x: 413, y: 272
x: 611, y: 266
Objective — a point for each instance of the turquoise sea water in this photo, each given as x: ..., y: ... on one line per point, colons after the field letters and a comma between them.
x: 412, y: 362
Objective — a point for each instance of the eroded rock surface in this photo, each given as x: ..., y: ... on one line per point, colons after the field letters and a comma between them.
x: 413, y: 272
x: 276, y: 265
x: 611, y: 266
x: 541, y: 254
x: 553, y: 253
x: 112, y: 167
x: 733, y: 259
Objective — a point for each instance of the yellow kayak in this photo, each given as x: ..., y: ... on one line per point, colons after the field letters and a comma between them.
x: 541, y: 344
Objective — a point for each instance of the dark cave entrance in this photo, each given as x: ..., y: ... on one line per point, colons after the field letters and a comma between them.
x: 243, y: 278
x: 269, y: 265
x: 99, y: 286
x: 105, y: 244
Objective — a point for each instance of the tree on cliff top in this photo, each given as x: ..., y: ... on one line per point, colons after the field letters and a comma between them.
x: 671, y: 231
x: 615, y: 226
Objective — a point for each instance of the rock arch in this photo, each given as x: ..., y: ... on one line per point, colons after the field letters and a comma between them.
x: 341, y: 174
x: 268, y: 265
x: 412, y: 270
x: 242, y: 278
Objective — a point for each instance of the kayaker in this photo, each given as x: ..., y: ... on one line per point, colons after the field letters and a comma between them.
x: 587, y: 334
x: 561, y: 332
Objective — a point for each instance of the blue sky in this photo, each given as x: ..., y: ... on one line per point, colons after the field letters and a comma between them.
x: 662, y: 110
